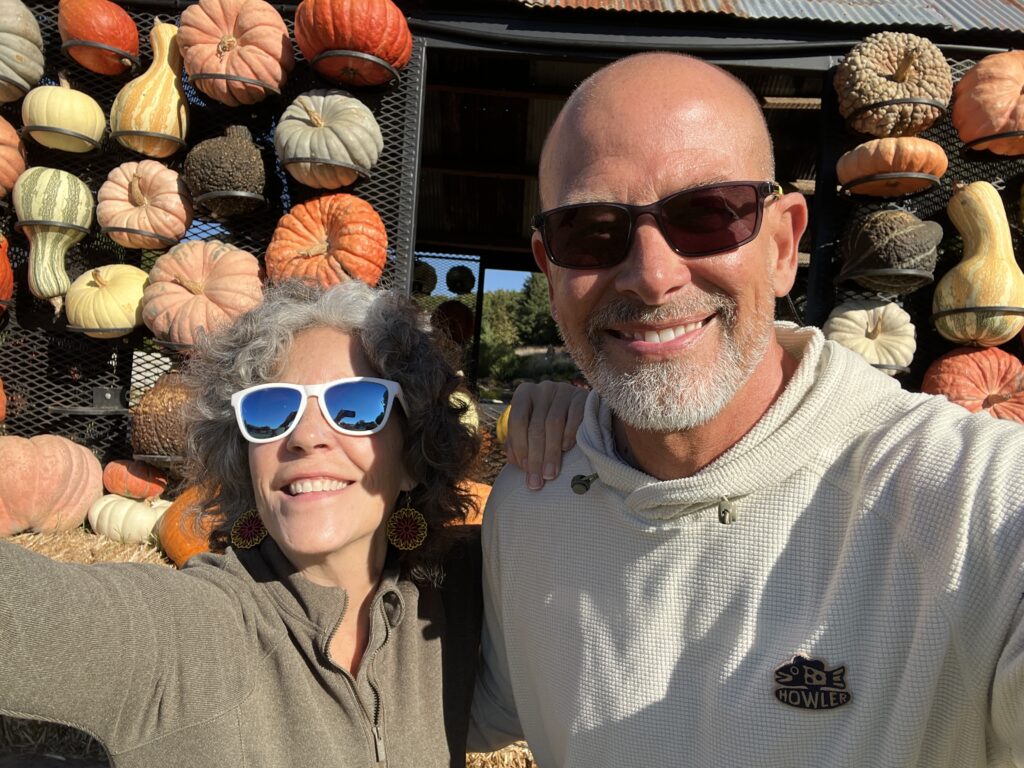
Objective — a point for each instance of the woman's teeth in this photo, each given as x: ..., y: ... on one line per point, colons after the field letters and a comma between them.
x: 312, y: 486
x: 665, y: 334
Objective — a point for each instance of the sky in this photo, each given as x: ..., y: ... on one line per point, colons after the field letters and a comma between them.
x: 504, y: 279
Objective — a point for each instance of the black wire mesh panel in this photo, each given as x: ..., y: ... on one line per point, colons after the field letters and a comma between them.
x: 965, y: 166
x: 66, y: 383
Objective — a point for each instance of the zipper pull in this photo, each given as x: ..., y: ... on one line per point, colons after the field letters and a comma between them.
x: 378, y: 743
x: 726, y: 512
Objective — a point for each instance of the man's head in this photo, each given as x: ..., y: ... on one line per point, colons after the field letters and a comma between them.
x: 667, y: 337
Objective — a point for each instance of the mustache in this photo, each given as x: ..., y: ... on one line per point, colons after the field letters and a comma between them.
x: 626, y: 310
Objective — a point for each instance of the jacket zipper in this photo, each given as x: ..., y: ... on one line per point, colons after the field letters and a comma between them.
x: 378, y: 739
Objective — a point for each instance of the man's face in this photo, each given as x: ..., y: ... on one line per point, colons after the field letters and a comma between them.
x: 667, y: 340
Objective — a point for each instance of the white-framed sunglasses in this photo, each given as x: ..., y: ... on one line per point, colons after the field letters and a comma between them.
x: 358, y: 405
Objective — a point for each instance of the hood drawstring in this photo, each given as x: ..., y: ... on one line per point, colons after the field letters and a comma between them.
x: 726, y: 511
x: 581, y: 483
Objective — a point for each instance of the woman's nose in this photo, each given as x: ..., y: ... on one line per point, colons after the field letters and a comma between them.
x: 312, y: 431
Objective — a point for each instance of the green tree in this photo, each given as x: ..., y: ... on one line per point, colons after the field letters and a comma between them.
x: 499, y: 335
x: 536, y: 326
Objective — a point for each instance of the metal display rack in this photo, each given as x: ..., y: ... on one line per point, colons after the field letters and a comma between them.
x: 60, y: 381
x: 834, y: 213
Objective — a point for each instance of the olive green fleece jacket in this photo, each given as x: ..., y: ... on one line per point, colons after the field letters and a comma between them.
x: 225, y: 662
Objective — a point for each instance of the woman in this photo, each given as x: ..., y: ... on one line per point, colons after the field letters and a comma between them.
x: 341, y: 626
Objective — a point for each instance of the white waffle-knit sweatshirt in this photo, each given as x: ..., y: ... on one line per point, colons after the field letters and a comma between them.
x: 864, y: 609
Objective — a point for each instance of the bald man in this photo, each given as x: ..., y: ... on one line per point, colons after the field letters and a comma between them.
x: 762, y: 552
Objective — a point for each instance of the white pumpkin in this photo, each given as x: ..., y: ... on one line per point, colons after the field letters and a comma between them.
x: 107, y: 300
x: 129, y: 521
x: 48, y: 110
x: 332, y: 127
x: 879, y: 331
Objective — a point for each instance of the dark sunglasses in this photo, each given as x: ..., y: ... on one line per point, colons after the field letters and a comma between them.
x: 354, y: 406
x: 701, y: 221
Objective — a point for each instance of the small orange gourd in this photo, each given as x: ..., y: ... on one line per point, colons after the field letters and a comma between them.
x: 182, y: 531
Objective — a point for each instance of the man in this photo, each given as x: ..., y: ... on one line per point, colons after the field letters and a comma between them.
x: 762, y: 551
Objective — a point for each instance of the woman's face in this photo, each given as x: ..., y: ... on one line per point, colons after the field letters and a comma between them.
x: 359, y: 478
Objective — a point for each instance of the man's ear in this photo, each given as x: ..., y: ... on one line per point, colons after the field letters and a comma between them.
x: 540, y: 256
x: 787, y: 218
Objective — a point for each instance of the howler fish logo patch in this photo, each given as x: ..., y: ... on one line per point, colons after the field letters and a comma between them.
x: 806, y: 684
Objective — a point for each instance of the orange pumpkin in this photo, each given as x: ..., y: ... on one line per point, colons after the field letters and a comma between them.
x: 148, y: 197
x: 901, y: 156
x: 328, y: 240
x: 103, y: 22
x: 12, y: 157
x: 226, y: 42
x: 3, y: 402
x: 199, y: 286
x: 480, y: 491
x: 47, y: 484
x: 989, y: 99
x: 375, y: 27
x: 989, y: 379
x: 6, y: 275
x: 182, y: 531
x: 133, y: 479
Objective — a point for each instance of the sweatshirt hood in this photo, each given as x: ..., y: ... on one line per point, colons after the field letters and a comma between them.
x: 805, y: 420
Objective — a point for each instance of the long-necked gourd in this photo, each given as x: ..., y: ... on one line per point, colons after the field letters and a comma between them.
x: 987, y: 275
x: 154, y: 102
x: 65, y: 204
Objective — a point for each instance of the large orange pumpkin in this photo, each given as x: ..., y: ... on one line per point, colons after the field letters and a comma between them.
x: 328, y: 240
x: 227, y: 43
x: 12, y: 157
x: 182, y: 531
x: 199, y: 286
x: 6, y: 275
x: 989, y: 99
x: 3, y: 402
x: 375, y: 27
x: 989, y: 379
x: 103, y: 22
x: 47, y: 484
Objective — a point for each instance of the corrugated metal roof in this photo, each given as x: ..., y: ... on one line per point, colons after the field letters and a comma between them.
x: 958, y: 15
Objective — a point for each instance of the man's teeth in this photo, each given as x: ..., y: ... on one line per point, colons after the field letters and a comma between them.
x: 665, y: 334
x: 312, y: 486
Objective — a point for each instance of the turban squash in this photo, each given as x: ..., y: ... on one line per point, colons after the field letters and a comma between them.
x: 199, y: 286
x: 990, y: 380
x: 374, y: 27
x: 225, y: 43
x: 47, y: 484
x: 328, y: 240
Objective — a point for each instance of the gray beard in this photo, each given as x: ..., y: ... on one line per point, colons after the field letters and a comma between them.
x: 671, y: 395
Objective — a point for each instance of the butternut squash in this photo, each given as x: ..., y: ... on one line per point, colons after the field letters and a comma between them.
x: 987, y: 275
x: 154, y: 102
x: 54, y: 211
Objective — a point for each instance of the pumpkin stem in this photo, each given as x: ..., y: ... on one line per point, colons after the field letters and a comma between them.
x: 227, y: 43
x: 135, y: 196
x: 874, y: 331
x: 62, y: 80
x: 192, y: 286
x: 97, y: 277
x: 318, y: 250
x: 314, y: 117
x: 903, y: 71
x: 996, y: 398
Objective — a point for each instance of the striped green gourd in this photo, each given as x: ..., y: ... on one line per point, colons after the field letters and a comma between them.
x: 51, y: 195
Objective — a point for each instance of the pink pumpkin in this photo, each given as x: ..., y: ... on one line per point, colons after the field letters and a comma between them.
x: 199, y: 286
x: 146, y: 196
x: 47, y: 484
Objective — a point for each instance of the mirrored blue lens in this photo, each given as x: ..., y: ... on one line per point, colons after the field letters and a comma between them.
x: 358, y: 406
x: 270, y: 412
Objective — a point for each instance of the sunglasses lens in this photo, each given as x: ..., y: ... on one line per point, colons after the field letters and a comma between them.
x: 269, y: 413
x: 705, y: 221
x: 357, y: 406
x: 588, y: 236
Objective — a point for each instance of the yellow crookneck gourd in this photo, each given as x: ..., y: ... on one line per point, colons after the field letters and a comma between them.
x: 154, y: 102
x: 987, y: 275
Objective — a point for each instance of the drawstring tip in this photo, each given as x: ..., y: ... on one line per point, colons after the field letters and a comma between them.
x: 726, y: 512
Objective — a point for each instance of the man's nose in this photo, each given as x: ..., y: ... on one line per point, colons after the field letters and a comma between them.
x: 652, y: 271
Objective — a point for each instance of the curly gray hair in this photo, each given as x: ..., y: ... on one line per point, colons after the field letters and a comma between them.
x: 400, y: 345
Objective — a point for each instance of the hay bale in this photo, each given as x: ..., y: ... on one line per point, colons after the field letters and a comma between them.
x: 513, y: 756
